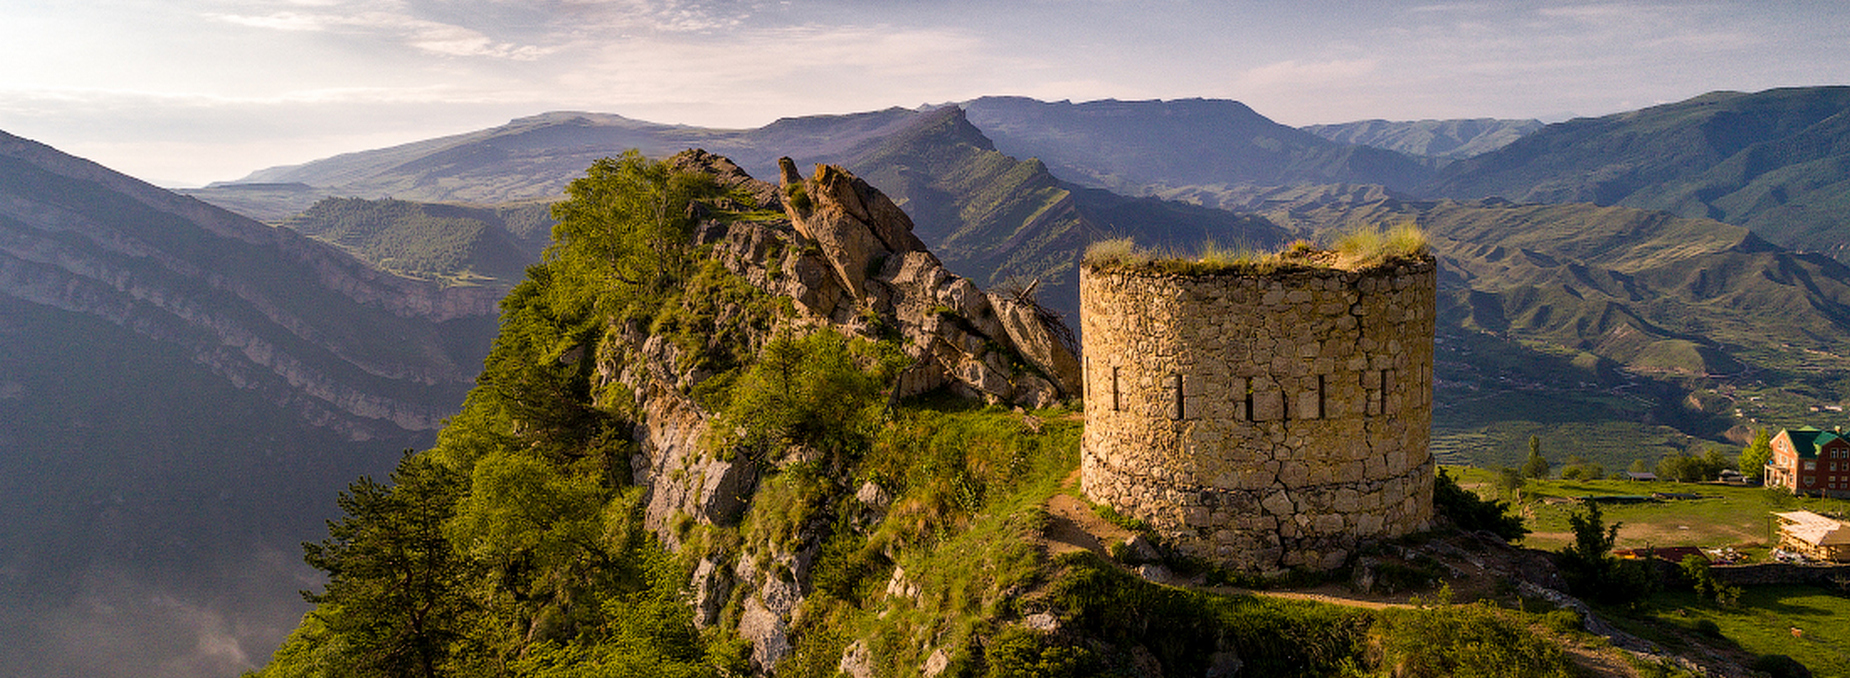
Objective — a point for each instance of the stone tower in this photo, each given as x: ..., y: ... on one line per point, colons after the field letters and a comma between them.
x: 1261, y: 421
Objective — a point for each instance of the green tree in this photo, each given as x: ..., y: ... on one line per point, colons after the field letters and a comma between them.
x: 1687, y: 468
x: 1510, y: 483
x: 393, y: 596
x: 1471, y: 513
x: 1755, y: 456
x: 624, y: 229
x: 808, y: 391
x: 1578, y: 468
x: 1535, y: 466
x: 1589, y: 566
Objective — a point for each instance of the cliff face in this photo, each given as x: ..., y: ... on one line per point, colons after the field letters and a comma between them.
x: 262, y: 307
x: 182, y: 393
x: 845, y: 256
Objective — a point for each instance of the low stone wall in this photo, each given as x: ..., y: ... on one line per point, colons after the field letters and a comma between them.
x: 1780, y: 573
x: 1261, y: 422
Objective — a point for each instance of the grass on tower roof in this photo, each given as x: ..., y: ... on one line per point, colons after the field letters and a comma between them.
x: 1360, y: 249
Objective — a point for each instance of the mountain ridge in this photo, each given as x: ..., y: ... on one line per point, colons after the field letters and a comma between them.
x: 1777, y: 161
x: 1445, y: 140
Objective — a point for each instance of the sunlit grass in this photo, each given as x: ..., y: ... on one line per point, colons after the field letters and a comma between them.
x: 1362, y: 248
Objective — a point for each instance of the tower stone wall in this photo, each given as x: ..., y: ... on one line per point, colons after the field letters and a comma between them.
x: 1261, y: 421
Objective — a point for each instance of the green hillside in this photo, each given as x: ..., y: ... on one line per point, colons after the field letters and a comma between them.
x: 458, y: 244
x: 1776, y: 161
x: 866, y: 537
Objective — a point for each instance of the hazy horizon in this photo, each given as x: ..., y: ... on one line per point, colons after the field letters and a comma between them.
x: 193, y: 91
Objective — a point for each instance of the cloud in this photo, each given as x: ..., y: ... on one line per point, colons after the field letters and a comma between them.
x: 427, y: 35
x: 791, y: 70
x: 1294, y: 72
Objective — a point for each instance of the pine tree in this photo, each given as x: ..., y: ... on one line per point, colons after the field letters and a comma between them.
x: 1535, y: 466
x: 393, y: 594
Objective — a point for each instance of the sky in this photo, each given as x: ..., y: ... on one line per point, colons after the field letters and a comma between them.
x: 183, y: 92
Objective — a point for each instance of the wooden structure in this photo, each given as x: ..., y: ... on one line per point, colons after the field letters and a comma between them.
x: 1814, y: 535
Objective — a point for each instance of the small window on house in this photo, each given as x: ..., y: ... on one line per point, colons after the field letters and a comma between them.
x: 1811, y: 466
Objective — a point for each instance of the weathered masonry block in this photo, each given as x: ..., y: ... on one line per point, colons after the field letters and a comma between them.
x: 1261, y: 421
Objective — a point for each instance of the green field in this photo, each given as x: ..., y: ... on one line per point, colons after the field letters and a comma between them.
x: 1724, y: 516
x: 1761, y: 623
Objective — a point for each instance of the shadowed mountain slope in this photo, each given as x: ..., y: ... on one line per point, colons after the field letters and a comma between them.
x: 181, y: 389
x: 459, y: 244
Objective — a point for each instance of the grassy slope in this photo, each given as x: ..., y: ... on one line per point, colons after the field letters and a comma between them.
x: 1725, y: 516
x: 1761, y: 624
x: 981, y: 568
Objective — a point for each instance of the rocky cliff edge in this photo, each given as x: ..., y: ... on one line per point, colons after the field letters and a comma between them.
x: 845, y: 256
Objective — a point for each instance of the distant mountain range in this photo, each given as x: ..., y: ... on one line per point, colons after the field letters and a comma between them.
x: 1142, y: 147
x: 182, y: 391
x: 1439, y: 139
x: 1777, y: 162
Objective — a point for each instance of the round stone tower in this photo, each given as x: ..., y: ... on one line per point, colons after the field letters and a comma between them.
x: 1261, y: 421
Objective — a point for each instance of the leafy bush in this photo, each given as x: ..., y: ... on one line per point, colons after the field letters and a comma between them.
x: 1024, y: 653
x: 1184, y: 628
x: 1780, y: 666
x: 1578, y: 468
x: 1471, y: 513
x: 1463, y: 641
x: 802, y: 391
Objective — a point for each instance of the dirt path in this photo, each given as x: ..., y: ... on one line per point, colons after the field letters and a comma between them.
x: 1075, y: 526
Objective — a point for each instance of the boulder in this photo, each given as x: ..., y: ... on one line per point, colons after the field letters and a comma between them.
x: 857, y: 661
x: 1041, y: 344
x: 767, y: 632
x: 857, y: 227
x: 711, y: 584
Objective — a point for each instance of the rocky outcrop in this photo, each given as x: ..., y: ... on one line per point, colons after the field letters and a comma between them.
x: 981, y: 344
x: 845, y: 257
